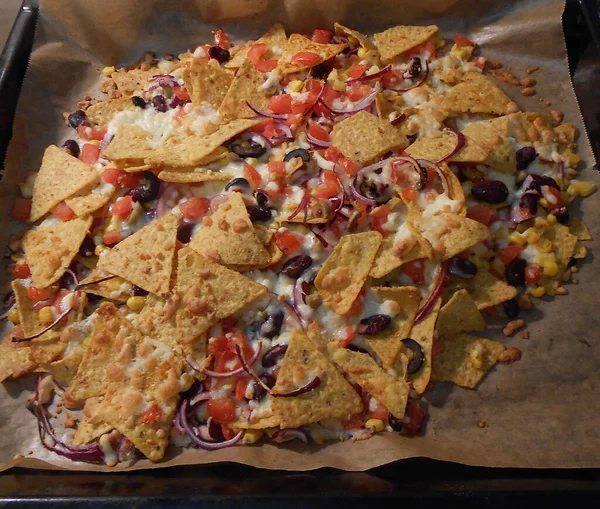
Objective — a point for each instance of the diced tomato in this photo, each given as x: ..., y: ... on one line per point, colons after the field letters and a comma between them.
x: 227, y: 432
x: 194, y: 208
x: 252, y: 176
x: 333, y: 154
x: 428, y: 47
x: 491, y: 311
x: 357, y: 306
x: 459, y: 40
x: 181, y: 93
x: 358, y: 91
x: 221, y: 39
x: 266, y: 65
x: 479, y: 62
x: 38, y: 293
x: 357, y: 71
x: 409, y: 193
x: 84, y: 131
x: 305, y: 58
x: 321, y: 36
x: 21, y: 271
x: 281, y: 103
x: 218, y: 345
x: 262, y: 126
x: 509, y: 253
x: 256, y: 52
x: 127, y: 180
x: 22, y: 209
x: 329, y: 94
x: 63, y: 212
x: 237, y: 337
x: 379, y: 217
x: 349, y: 166
x: 392, y: 79
x: 294, y: 120
x: 317, y: 132
x: 533, y: 273
x: 354, y: 422
x: 481, y: 214
x: 380, y: 411
x: 223, y: 362
x: 288, y: 242
x: 112, y: 237
x: 329, y: 187
x: 240, y: 388
x: 436, y: 347
x: 89, y: 153
x: 152, y: 415
x: 416, y: 415
x: 222, y: 410
x: 415, y: 270
x: 553, y: 197
x: 111, y: 175
x: 122, y: 207
x: 98, y: 133
x: 277, y: 168
x: 348, y: 335
x: 229, y: 324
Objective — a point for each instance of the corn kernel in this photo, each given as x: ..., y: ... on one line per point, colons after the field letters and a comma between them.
x: 94, y: 142
x: 532, y: 236
x: 252, y: 161
x: 136, y: 303
x: 543, y: 202
x: 362, y: 52
x: 99, y: 249
x: 550, y: 269
x: 333, y: 75
x: 586, y: 188
x: 544, y: 245
x: 545, y: 258
x: 551, y: 218
x: 107, y: 71
x: 13, y: 316
x: 16, y: 257
x: 114, y: 284
x: 296, y: 85
x: 251, y: 436
x: 45, y: 315
x: 339, y: 85
x: 573, y: 189
x: 574, y: 160
x: 517, y: 239
x: 538, y: 291
x: 499, y: 266
x: 540, y: 223
x: 376, y: 424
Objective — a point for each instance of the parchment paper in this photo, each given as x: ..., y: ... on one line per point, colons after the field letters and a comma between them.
x: 540, y: 412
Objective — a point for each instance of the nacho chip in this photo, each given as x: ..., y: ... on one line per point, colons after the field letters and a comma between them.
x: 87, y: 204
x: 344, y: 273
x: 246, y: 87
x: 387, y: 261
x: 395, y: 41
x: 334, y: 398
x: 436, y: 149
x: 61, y: 176
x: 476, y: 94
x: 299, y: 44
x: 263, y: 423
x: 578, y: 228
x: 274, y: 40
x: 103, y: 111
x: 14, y: 357
x: 359, y: 38
x: 64, y: 369
x: 230, y: 238
x: 132, y: 81
x: 564, y: 243
x: 49, y: 250
x: 146, y: 257
x: 459, y: 314
x: 465, y: 360
x: 390, y: 391
x: 388, y: 343
x: 492, y: 137
x: 488, y: 291
x: 363, y: 137
x: 206, y: 83
x: 116, y: 289
x: 112, y: 342
x: 88, y: 431
x: 423, y: 333
x: 190, y: 177
x: 580, y: 252
x: 130, y: 146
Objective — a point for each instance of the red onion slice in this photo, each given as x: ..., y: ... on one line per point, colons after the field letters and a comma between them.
x: 90, y: 283
x: 42, y: 303
x: 317, y: 143
x: 369, y: 77
x: 460, y: 143
x: 421, y: 81
x: 357, y: 196
x: 439, y: 171
x: 436, y: 291
x: 301, y: 206
x: 261, y: 113
x: 320, y: 238
x: 283, y: 435
x: 238, y: 371
x: 202, y: 444
x: 398, y: 120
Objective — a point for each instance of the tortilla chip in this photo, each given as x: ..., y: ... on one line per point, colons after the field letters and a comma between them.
x: 230, y: 239
x: 388, y: 343
x: 465, y: 360
x: 206, y: 83
x: 274, y: 39
x: 387, y: 261
x: 64, y: 369
x: 334, y: 398
x: 396, y: 40
x: 112, y: 342
x: 564, y: 243
x: 298, y: 43
x: 387, y: 109
x: 204, y: 294
x: 578, y: 228
x: 103, y: 111
x: 492, y: 137
x: 436, y: 149
x: 132, y: 81
x: 104, y: 288
x: 275, y: 255
x: 488, y: 291
x: 14, y: 357
x: 345, y: 271
x: 49, y: 250
x: 146, y: 257
x: 89, y: 203
x: 246, y: 87
x: 459, y: 314
x: 87, y: 431
x: 390, y: 391
x: 189, y: 177
x: 61, y: 176
x: 361, y: 39
x: 262, y: 423
x: 423, y: 333
x: 364, y: 137
x: 476, y: 94
x: 130, y: 145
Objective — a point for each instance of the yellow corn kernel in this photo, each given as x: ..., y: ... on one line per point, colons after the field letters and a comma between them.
x: 296, y: 85
x: 543, y: 202
x: 573, y: 189
x: 45, y: 315
x: 107, y: 71
x: 86, y: 342
x: 498, y: 266
x: 538, y: 291
x: 136, y: 303
x: 586, y: 188
x: 251, y: 436
x: 574, y: 160
x: 376, y: 424
x: 333, y: 75
x: 544, y: 245
x: 550, y: 269
x: 545, y: 258
x: 114, y: 284
x: 99, y: 249
x: 252, y: 161
x: 517, y: 239
x: 532, y: 236
x: 362, y: 52
x: 551, y: 218
x: 13, y: 316
x: 94, y: 142
x: 540, y: 223
x: 339, y: 85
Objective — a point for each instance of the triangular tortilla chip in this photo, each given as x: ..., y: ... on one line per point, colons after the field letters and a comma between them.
x: 390, y: 391
x: 116, y: 289
x: 363, y: 137
x: 134, y: 80
x: 130, y: 145
x: 274, y: 39
x: 492, y: 137
x: 334, y: 398
x: 230, y: 239
x: 88, y: 431
x: 206, y: 83
x: 189, y: 177
x: 396, y: 40
x: 486, y: 290
x: 578, y: 228
x: 103, y: 111
x: 64, y: 369
x: 49, y: 250
x: 89, y: 203
x: 361, y: 39
x: 299, y: 44
x: 275, y: 254
x: 146, y: 257
x: 459, y: 314
x: 262, y: 423
x: 344, y: 273
x: 61, y: 176
x: 388, y: 260
x: 14, y: 357
x: 465, y: 360
x: 564, y: 244
x: 112, y: 342
x: 476, y: 94
x: 388, y: 343
x: 246, y: 87
x: 436, y: 149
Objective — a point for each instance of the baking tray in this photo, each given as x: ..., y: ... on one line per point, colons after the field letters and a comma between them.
x: 427, y: 482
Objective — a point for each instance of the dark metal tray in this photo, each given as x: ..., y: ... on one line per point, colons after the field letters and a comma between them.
x: 427, y: 482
